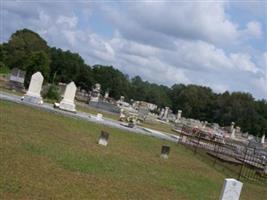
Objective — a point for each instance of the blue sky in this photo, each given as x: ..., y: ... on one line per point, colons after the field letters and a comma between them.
x: 220, y: 44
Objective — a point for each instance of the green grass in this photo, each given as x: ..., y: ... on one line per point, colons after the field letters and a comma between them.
x: 47, y: 156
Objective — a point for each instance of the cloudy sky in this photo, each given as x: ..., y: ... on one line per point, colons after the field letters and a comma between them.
x: 220, y: 44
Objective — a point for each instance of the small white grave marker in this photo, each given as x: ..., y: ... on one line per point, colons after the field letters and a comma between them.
x: 103, y: 139
x: 99, y: 116
x: 184, y: 138
x: 231, y: 189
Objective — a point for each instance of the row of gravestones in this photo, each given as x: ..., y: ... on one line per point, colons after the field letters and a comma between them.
x: 33, y: 94
x: 231, y: 189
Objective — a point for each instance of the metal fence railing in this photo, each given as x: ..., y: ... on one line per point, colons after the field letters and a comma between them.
x: 240, y: 161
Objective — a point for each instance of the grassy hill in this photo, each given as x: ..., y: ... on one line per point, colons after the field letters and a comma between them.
x: 47, y: 156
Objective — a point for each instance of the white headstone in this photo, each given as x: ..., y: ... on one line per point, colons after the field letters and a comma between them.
x: 161, y: 113
x: 233, y: 134
x: 99, y: 116
x: 179, y: 115
x: 165, y: 116
x: 263, y: 139
x: 67, y: 102
x: 184, y: 138
x: 231, y: 189
x: 232, y: 127
x: 33, y: 94
x: 106, y: 95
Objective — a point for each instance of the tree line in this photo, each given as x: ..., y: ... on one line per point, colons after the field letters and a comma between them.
x: 26, y: 50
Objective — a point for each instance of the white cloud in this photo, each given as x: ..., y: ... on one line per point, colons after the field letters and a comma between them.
x: 182, y: 43
x: 243, y: 62
x: 253, y: 30
x: 162, y: 22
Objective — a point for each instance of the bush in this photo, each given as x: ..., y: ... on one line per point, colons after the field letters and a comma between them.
x: 53, y: 93
x: 4, y: 69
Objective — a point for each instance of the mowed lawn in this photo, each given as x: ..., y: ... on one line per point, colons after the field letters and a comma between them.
x: 48, y: 156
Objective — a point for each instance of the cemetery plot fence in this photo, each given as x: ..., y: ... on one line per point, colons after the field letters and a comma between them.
x: 235, y: 160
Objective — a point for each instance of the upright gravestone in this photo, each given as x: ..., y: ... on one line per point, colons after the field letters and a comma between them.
x: 166, y: 112
x: 263, y: 139
x: 231, y: 189
x: 161, y: 113
x: 165, y: 151
x: 179, y: 115
x: 67, y: 103
x: 232, y: 127
x: 103, y: 139
x: 33, y: 94
x: 265, y: 169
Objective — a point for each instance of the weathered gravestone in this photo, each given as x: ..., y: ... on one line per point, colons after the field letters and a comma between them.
x: 33, y: 94
x: 165, y: 151
x: 265, y: 169
x: 16, y: 79
x: 67, y: 103
x: 103, y: 139
x: 231, y: 189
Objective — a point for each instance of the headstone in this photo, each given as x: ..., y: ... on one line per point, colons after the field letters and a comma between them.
x: 179, y: 115
x: 184, y: 138
x: 263, y: 139
x: 16, y: 78
x: 165, y: 150
x: 106, y: 95
x: 233, y: 134
x: 232, y: 127
x: 231, y: 189
x: 103, y: 139
x: 33, y: 94
x: 265, y: 169
x: 99, y: 116
x: 67, y: 103
x: 165, y: 116
x: 95, y: 94
x: 161, y: 113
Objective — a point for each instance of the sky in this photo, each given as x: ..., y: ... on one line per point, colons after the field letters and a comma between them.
x: 219, y: 44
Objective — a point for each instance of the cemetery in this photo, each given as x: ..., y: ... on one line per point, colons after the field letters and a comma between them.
x: 196, y: 152
x: 138, y: 100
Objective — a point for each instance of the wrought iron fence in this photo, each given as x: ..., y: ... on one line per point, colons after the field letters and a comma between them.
x: 236, y: 160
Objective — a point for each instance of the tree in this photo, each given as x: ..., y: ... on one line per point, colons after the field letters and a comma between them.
x: 67, y: 66
x: 20, y: 46
x: 113, y: 80
x: 37, y: 61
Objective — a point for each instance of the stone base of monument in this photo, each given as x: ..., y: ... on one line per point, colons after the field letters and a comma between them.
x: 67, y: 106
x: 32, y: 99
